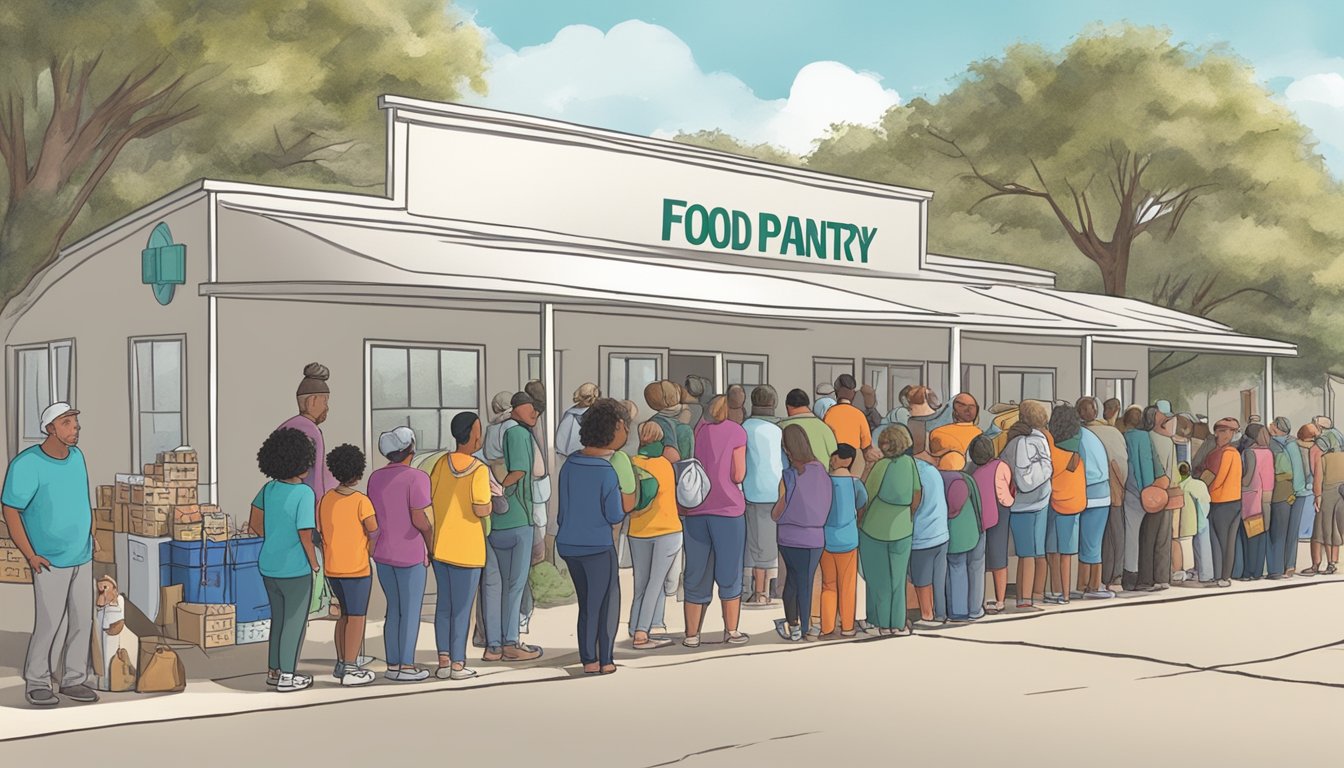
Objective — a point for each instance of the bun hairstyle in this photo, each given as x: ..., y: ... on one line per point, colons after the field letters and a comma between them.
x: 314, y: 382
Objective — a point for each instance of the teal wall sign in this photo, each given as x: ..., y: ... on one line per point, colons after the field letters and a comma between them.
x: 163, y: 263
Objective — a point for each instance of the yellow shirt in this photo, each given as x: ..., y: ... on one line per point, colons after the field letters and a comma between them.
x: 957, y: 436
x: 660, y: 517
x: 849, y: 425
x: 456, y: 483
x: 345, y: 543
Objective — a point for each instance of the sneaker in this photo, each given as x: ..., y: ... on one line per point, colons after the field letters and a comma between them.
x: 1224, y: 583
x: 782, y: 629
x: 1077, y: 595
x: 406, y: 675
x: 462, y: 674
x: 795, y: 634
x: 41, y: 697
x: 1331, y: 570
x: 522, y: 652
x: 1055, y: 599
x: 1101, y: 594
x: 357, y: 676
x: 81, y: 693
x: 1179, y: 576
x: 337, y: 671
x: 736, y: 638
x: 691, y: 641
x: 493, y: 654
x: 291, y: 683
x: 364, y: 661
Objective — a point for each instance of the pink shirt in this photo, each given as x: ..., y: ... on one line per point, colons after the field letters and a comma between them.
x: 395, y: 490
x: 714, y: 446
x: 994, y: 481
x: 1257, y: 488
x: 319, y: 477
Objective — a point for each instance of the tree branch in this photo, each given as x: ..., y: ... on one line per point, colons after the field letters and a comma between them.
x: 1210, y: 306
x: 1159, y: 370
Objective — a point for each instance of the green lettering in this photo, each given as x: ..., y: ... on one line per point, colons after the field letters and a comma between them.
x: 816, y: 238
x: 836, y: 229
x: 670, y: 216
x: 769, y: 229
x: 714, y: 239
x: 852, y: 231
x: 866, y: 236
x: 741, y: 231
x: 693, y: 236
x: 793, y: 235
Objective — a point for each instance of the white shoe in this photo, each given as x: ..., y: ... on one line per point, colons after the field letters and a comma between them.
x: 364, y: 661
x: 290, y: 683
x: 357, y: 677
x: 462, y: 674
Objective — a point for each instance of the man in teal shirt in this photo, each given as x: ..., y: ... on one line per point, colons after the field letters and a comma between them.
x: 46, y: 507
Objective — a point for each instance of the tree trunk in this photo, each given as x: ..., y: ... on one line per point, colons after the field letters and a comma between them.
x: 28, y: 239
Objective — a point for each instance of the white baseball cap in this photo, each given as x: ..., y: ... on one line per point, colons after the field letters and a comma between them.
x: 54, y: 412
x: 396, y: 440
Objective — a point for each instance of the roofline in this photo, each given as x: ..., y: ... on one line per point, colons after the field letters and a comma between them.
x: 521, y: 121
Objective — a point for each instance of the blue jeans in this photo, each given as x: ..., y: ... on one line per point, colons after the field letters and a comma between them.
x: 966, y: 583
x: 599, y: 591
x: 452, y: 611
x: 405, y: 591
x: 801, y: 564
x: 715, y: 549
x: 508, y: 560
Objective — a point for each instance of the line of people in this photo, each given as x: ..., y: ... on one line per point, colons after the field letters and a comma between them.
x: 716, y: 496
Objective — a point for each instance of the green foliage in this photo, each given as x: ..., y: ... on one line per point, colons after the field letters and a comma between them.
x: 109, y: 104
x: 717, y: 139
x: 550, y: 586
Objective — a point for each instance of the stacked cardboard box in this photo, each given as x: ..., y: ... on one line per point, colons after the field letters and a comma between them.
x: 13, y: 566
x: 191, y: 521
x: 205, y: 624
x: 166, y: 485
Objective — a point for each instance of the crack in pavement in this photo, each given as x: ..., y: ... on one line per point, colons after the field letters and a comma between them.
x: 712, y: 750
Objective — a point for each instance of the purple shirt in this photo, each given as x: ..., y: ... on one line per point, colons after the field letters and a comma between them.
x: 319, y: 477
x: 714, y: 446
x: 395, y: 490
x: 807, y: 505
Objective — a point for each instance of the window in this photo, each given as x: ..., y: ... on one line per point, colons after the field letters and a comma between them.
x: 888, y: 378
x: 628, y: 373
x: 1119, y: 387
x: 158, y: 396
x: 1014, y: 386
x: 423, y: 388
x: 45, y: 376
x: 749, y: 372
x: 973, y: 381
x: 825, y: 370
x: 529, y: 367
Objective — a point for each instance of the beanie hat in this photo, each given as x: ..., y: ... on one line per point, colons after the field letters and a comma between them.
x: 314, y: 382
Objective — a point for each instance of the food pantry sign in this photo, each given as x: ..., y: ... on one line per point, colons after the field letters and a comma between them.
x: 766, y: 233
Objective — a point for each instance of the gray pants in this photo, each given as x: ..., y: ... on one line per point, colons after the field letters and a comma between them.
x: 966, y: 583
x: 652, y: 560
x: 63, y: 616
x: 1134, y: 515
x: 1203, y: 546
x: 508, y: 560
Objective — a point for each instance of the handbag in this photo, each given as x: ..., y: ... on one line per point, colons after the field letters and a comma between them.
x: 121, y: 673
x: 1175, y: 497
x: 162, y: 672
x: 1155, y: 497
x: 1254, y: 526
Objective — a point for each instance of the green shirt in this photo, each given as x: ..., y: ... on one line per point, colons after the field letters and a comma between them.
x: 891, y: 487
x: 625, y: 471
x: 518, y: 456
x: 52, y: 496
x: 287, y: 509
x: 819, y: 435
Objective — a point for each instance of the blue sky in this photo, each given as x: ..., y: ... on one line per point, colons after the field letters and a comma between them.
x: 755, y: 68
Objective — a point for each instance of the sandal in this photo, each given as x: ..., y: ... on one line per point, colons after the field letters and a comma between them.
x: 1331, y: 570
x: 653, y: 644
x: 691, y: 641
x: 609, y: 669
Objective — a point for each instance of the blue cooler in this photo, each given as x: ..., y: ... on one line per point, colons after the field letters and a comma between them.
x: 231, y: 574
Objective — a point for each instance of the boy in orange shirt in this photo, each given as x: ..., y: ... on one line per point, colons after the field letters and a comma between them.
x: 346, y: 523
x: 850, y: 425
x: 1068, y: 498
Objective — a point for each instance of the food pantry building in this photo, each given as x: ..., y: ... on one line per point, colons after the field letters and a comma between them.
x: 504, y: 241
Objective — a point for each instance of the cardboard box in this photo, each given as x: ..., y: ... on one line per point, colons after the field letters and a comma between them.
x: 104, y: 520
x: 179, y: 456
x: 169, y: 598
x: 121, y: 517
x: 186, y: 494
x: 158, y: 494
x: 107, y: 496
x: 206, y: 625
x: 187, y: 513
x: 15, y: 573
x: 9, y: 552
x: 181, y: 473
x: 153, y: 471
x: 104, y: 550
x: 156, y: 512
x: 149, y: 528
x: 249, y: 632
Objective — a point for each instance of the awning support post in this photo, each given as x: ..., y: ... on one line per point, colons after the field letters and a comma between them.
x: 1087, y: 369
x: 548, y: 380
x: 953, y: 363
x: 1268, y: 415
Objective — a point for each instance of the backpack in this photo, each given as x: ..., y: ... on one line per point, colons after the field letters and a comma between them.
x: 955, y: 530
x: 693, y: 484
x: 646, y: 488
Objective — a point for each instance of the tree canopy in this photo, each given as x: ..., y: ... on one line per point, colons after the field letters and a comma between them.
x: 108, y: 104
x: 1133, y: 165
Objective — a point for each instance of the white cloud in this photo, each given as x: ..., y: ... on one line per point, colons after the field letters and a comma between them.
x: 642, y: 78
x: 1318, y: 101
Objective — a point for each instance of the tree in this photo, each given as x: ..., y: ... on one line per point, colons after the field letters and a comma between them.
x: 1168, y: 169
x: 106, y: 105
x: 717, y: 139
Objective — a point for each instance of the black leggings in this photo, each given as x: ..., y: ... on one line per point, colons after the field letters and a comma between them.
x: 802, y: 568
x: 1224, y: 520
x: 599, y: 591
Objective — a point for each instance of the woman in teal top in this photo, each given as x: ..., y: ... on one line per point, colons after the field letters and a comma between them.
x: 886, y: 530
x: 284, y: 514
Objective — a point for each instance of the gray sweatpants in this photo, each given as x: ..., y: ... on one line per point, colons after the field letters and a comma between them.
x: 653, y: 560
x: 1203, y: 546
x: 62, y: 624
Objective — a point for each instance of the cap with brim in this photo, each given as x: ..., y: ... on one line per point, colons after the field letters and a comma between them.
x: 54, y: 412
x: 825, y: 390
x: 523, y: 398
x: 1164, y: 407
x: 395, y: 441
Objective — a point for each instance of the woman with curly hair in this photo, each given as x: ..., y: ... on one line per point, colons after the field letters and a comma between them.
x: 589, y: 505
x: 284, y: 514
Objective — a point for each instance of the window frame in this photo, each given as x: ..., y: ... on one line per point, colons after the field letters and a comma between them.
x: 742, y: 358
x: 1021, y: 370
x: 605, y: 355
x: 370, y: 439
x: 17, y: 440
x: 524, y: 362
x: 133, y: 380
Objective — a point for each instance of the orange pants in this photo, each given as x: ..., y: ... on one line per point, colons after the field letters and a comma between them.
x: 839, y: 589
